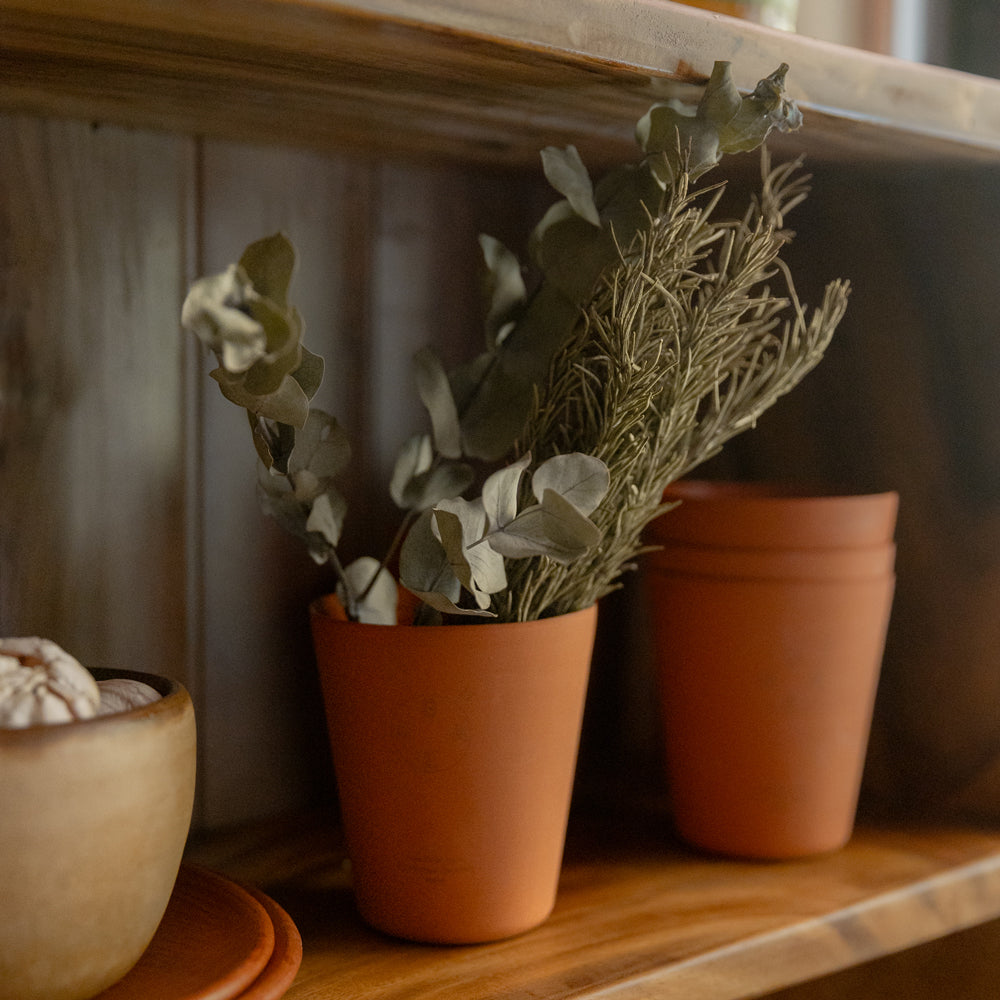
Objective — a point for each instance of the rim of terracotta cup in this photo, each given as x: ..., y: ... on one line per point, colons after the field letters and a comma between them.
x: 774, y: 514
x: 328, y: 609
x: 788, y: 564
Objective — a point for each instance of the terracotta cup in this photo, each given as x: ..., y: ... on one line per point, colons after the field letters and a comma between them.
x: 768, y: 613
x: 454, y: 749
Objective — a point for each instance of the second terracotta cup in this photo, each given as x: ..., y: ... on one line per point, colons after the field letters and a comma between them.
x: 769, y: 613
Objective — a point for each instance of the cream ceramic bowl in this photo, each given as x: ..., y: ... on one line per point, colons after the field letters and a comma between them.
x: 94, y: 816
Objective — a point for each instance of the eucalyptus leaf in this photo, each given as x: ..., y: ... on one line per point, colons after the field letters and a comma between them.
x: 467, y: 379
x: 553, y: 528
x: 417, y: 483
x: 279, y: 501
x: 424, y: 567
x: 571, y: 252
x: 721, y: 101
x: 309, y: 374
x: 270, y: 263
x: 628, y: 198
x: 497, y: 389
x: 505, y: 289
x: 435, y: 393
x: 582, y: 480
x: 414, y: 458
x: 321, y: 446
x: 444, y: 481
x: 288, y: 405
x: 765, y: 109
x: 658, y: 128
x: 288, y: 512
x: 284, y: 350
x: 460, y: 525
x: 441, y: 603
x: 326, y: 517
x: 425, y: 571
x: 273, y: 485
x: 261, y: 444
x: 500, y: 492
x: 566, y: 172
x: 496, y: 413
x: 724, y: 122
x: 369, y: 592
x: 277, y: 439
x: 274, y: 442
x: 683, y: 142
x: 557, y: 212
x: 504, y: 332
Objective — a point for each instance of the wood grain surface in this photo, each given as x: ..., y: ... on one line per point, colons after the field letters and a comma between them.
x: 459, y: 78
x: 93, y: 426
x: 637, y: 916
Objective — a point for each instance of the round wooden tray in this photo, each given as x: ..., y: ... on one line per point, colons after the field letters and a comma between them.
x: 217, y: 941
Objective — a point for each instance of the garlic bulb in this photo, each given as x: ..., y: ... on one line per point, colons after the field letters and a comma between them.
x: 41, y: 683
x: 119, y: 694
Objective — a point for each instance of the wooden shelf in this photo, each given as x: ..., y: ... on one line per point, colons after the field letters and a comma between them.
x: 490, y: 84
x: 471, y: 79
x: 637, y: 916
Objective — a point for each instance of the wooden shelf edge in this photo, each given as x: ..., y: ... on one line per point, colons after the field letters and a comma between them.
x: 885, y: 924
x: 457, y: 78
x: 668, y: 39
x: 638, y: 916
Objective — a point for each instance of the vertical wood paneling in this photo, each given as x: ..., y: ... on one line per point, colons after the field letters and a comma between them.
x: 131, y: 531
x: 424, y: 265
x: 388, y: 262
x: 262, y: 744
x: 92, y: 548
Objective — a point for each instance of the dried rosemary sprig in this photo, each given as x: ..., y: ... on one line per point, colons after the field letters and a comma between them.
x: 683, y: 345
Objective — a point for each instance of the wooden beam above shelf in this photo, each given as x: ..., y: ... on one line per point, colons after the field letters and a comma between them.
x: 468, y: 79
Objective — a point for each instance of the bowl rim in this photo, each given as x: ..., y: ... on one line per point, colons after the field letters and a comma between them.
x: 174, y: 700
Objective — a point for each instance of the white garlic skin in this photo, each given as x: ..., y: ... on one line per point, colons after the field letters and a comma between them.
x: 41, y: 684
x: 120, y: 694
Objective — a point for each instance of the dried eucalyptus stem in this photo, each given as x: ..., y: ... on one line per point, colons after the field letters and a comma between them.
x: 682, y: 346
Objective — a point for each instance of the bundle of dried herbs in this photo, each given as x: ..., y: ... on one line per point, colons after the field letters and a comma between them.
x: 654, y: 331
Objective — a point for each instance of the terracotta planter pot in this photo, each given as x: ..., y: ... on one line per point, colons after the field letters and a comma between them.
x: 769, y: 657
x: 454, y: 749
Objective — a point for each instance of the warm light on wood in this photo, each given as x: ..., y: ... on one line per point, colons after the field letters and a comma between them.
x: 637, y: 916
x: 465, y: 78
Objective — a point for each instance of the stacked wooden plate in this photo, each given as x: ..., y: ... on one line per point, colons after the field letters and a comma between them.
x: 217, y: 941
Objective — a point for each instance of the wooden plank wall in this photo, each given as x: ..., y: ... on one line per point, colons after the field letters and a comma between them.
x: 94, y: 230
x: 130, y: 529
